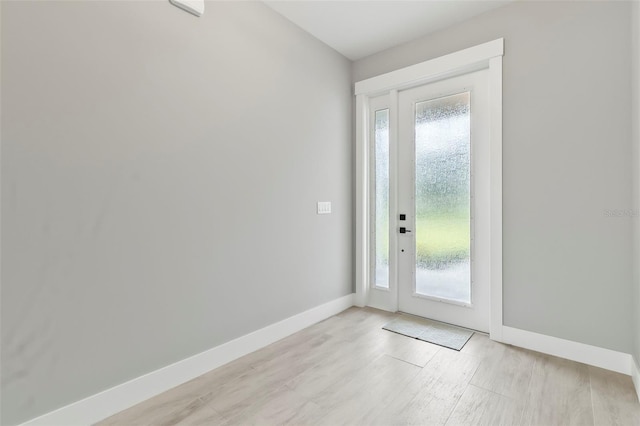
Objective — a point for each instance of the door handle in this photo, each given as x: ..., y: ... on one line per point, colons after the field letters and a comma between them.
x: 404, y: 230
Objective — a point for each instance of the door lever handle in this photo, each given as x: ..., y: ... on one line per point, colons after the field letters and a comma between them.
x: 404, y: 230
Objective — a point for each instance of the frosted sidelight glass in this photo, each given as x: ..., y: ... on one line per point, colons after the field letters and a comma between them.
x: 381, y: 155
x: 443, y: 237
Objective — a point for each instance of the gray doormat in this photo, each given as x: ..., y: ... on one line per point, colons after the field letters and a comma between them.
x: 430, y: 331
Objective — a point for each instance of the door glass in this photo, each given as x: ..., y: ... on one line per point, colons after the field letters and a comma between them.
x: 443, y: 237
x: 381, y: 166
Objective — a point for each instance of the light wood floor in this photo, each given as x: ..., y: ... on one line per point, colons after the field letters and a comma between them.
x: 347, y: 370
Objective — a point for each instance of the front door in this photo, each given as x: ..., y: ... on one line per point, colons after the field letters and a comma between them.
x: 443, y: 213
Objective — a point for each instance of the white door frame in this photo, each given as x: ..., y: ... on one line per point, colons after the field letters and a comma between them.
x: 483, y: 56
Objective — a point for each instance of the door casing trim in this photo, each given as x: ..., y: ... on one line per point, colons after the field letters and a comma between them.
x: 484, y: 56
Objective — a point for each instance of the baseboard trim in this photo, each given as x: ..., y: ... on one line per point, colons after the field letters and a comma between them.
x: 580, y: 352
x: 111, y: 401
x: 635, y: 376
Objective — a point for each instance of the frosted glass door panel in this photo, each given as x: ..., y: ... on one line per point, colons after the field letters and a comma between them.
x: 442, y: 198
x: 381, y: 172
x: 444, y: 162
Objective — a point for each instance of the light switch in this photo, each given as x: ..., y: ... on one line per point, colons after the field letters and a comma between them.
x: 324, y: 207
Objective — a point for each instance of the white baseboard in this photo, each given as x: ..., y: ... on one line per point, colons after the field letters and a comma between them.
x: 111, y: 401
x: 635, y: 376
x: 580, y: 352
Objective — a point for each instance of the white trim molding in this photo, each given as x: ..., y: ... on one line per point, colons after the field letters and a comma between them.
x: 635, y: 376
x: 111, y: 401
x: 495, y: 111
x: 463, y: 61
x: 592, y: 355
x: 484, y: 56
x: 362, y: 202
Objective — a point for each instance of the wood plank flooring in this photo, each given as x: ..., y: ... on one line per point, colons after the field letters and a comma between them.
x: 346, y: 370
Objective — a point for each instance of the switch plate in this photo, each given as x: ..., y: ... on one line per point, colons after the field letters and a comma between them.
x: 324, y: 207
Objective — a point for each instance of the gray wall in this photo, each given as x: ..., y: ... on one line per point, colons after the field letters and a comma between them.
x: 159, y: 180
x: 567, y: 129
x: 635, y: 75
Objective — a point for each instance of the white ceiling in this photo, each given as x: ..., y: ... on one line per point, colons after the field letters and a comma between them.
x: 360, y: 28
